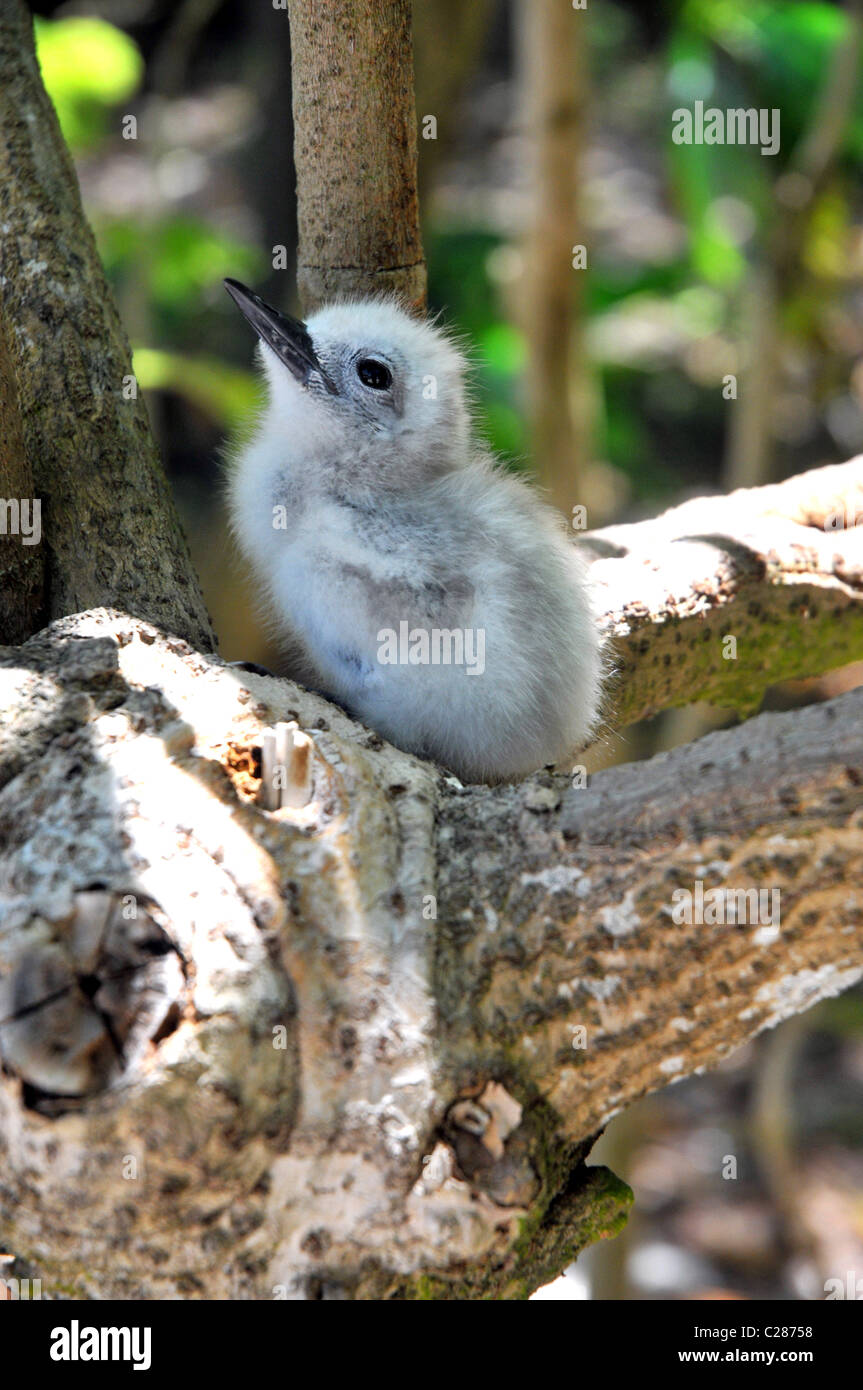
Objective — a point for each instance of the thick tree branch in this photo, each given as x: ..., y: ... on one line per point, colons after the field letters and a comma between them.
x: 778, y: 568
x: 342, y: 1042
x: 557, y: 908
x: 111, y: 534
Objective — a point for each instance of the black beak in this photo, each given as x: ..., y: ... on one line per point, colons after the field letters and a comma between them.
x: 288, y: 337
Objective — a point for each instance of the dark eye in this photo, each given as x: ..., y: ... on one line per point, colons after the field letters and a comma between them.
x: 374, y: 374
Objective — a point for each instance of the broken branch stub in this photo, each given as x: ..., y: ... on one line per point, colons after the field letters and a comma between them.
x: 286, y: 767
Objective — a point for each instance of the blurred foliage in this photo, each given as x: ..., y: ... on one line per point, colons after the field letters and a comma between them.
x: 661, y: 319
x: 226, y: 394
x: 729, y: 54
x: 88, y: 66
x: 662, y: 311
x: 459, y: 282
x: 185, y: 257
x: 768, y: 54
x: 170, y: 259
x: 783, y: 51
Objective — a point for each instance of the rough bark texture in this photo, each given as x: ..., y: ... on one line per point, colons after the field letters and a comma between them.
x: 557, y: 910
x: 355, y: 151
x: 22, y: 574
x: 264, y: 1023
x: 335, y: 1051
x: 110, y: 531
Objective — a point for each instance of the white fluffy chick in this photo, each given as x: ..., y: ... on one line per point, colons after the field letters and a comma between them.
x: 433, y: 595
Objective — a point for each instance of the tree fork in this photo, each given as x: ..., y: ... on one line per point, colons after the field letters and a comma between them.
x: 360, y: 1047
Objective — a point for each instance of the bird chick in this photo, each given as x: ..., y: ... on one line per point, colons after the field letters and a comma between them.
x: 430, y: 593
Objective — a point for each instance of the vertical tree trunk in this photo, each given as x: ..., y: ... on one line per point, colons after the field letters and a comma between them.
x: 355, y: 150
x: 110, y: 532
x: 554, y: 81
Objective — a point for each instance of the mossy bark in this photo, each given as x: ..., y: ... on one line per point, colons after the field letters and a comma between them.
x: 721, y: 597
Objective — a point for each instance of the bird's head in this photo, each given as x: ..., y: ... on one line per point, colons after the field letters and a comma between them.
x: 364, y: 391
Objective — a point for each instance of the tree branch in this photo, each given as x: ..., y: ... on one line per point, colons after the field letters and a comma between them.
x: 757, y: 565
x: 340, y: 1045
x: 557, y: 909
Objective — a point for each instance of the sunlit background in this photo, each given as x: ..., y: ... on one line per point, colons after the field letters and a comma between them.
x: 703, y: 262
